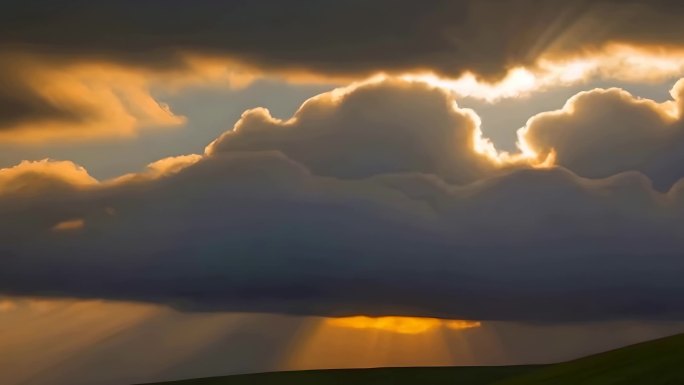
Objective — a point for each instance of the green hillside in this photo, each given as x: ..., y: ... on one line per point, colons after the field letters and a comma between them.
x: 383, y: 376
x: 659, y: 362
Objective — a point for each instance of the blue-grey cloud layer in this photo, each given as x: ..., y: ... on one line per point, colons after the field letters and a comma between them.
x: 281, y: 217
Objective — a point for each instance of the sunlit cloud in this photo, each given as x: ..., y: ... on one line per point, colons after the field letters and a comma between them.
x: 461, y: 324
x: 96, y: 100
x: 173, y: 164
x: 74, y: 101
x: 70, y: 225
x: 163, y: 167
x: 30, y: 177
x: 614, y: 62
x: 101, y: 100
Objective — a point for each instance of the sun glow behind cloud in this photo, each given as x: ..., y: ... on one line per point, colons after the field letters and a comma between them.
x: 85, y: 335
x: 119, y: 101
x: 362, y: 341
x: 615, y: 62
x: 621, y: 62
x: 401, y: 325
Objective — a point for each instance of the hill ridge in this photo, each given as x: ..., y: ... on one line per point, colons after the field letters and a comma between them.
x: 655, y: 362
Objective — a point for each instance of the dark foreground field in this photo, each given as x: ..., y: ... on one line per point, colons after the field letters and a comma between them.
x: 659, y: 362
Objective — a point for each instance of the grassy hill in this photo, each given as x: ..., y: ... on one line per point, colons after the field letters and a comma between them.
x: 659, y: 362
x: 383, y: 376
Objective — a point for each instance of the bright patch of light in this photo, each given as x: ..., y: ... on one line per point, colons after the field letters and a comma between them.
x: 518, y: 82
x: 401, y: 325
x: 70, y: 225
x: 617, y: 62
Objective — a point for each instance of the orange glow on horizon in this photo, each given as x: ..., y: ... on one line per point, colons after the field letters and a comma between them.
x: 401, y: 325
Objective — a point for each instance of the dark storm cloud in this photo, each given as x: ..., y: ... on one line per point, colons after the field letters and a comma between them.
x: 330, y: 38
x: 336, y: 36
x: 251, y: 230
x: 256, y: 232
x: 327, y: 36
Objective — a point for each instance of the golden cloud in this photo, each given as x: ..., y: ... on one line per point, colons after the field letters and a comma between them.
x: 52, y: 99
x: 59, y: 100
x: 613, y: 62
x: 69, y: 225
x: 30, y: 177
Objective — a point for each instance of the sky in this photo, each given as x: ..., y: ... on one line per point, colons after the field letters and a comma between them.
x: 456, y: 178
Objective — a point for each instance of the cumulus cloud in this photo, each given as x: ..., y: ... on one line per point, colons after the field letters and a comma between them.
x: 29, y: 178
x: 253, y: 225
x: 602, y: 132
x: 160, y: 168
x: 375, y: 128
